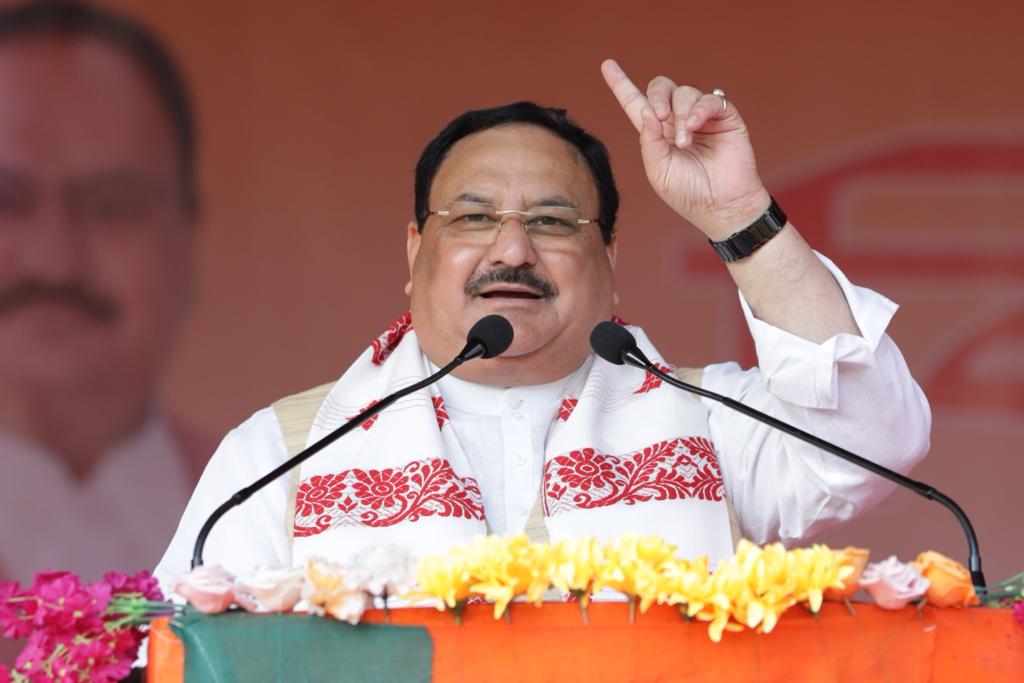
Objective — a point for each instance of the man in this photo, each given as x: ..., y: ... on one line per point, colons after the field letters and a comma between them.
x: 97, y: 221
x: 515, y: 214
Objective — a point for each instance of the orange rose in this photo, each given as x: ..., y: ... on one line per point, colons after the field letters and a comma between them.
x: 950, y: 581
x: 856, y: 558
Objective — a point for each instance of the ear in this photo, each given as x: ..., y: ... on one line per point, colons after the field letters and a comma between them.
x: 412, y: 247
x: 612, y: 250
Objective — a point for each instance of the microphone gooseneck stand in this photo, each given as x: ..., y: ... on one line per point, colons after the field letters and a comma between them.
x: 615, y: 344
x: 489, y: 337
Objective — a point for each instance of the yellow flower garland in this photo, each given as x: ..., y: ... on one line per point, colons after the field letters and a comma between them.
x: 750, y: 590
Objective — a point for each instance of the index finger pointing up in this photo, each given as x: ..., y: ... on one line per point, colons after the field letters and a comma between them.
x: 629, y: 96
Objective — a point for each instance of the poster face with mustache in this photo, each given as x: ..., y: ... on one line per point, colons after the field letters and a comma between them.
x: 95, y: 244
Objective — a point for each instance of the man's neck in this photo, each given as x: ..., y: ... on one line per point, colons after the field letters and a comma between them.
x: 78, y: 425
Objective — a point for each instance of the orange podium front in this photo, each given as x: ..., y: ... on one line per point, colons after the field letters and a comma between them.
x: 553, y: 644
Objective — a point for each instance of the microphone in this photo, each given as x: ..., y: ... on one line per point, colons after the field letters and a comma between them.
x: 489, y: 337
x: 617, y: 345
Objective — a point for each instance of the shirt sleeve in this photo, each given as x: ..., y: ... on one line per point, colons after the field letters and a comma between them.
x: 855, y: 391
x: 250, y: 535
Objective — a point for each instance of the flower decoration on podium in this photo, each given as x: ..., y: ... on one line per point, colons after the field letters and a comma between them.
x: 79, y: 632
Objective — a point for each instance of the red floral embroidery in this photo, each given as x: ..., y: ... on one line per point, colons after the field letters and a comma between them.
x: 565, y: 410
x: 378, y: 498
x: 668, y: 470
x: 440, y: 411
x: 317, y: 493
x: 368, y: 423
x: 389, y: 339
x: 585, y: 469
x: 378, y: 489
x: 651, y: 381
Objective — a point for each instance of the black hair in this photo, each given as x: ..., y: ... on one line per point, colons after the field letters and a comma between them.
x: 555, y: 120
x: 73, y: 19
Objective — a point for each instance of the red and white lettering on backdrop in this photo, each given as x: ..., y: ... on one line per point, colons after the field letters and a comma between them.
x: 936, y: 212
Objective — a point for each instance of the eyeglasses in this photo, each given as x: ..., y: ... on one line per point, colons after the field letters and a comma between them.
x: 478, y: 222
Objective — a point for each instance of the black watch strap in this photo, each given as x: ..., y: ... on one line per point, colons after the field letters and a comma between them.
x: 745, y: 242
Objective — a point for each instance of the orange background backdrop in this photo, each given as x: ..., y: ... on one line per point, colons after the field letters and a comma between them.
x: 891, y: 132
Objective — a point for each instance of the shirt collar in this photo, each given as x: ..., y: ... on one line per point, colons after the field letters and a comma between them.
x: 488, y: 399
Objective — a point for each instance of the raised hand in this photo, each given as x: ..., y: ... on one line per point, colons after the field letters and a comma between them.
x: 696, y: 152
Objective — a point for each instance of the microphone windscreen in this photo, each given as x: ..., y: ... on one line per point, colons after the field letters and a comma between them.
x: 493, y: 332
x: 610, y: 340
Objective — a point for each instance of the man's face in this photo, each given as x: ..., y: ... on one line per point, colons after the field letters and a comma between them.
x: 95, y: 243
x: 561, y: 288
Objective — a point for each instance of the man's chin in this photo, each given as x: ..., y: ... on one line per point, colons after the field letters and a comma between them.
x: 526, y: 362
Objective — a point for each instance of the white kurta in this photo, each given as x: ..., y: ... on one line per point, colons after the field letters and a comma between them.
x: 854, y: 391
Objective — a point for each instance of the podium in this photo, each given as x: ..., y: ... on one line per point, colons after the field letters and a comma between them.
x: 553, y: 643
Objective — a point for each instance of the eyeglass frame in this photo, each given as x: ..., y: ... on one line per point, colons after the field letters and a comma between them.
x: 502, y: 214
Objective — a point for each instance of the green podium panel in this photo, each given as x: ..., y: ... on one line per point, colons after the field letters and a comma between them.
x: 297, y: 649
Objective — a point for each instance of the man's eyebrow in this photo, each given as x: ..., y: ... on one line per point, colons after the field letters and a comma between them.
x: 553, y: 200
x: 556, y: 200
x: 472, y: 197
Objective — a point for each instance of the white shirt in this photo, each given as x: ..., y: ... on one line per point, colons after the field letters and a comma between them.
x: 853, y: 390
x: 118, y: 517
x: 502, y: 431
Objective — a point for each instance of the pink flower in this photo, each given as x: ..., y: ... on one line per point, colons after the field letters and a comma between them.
x: 66, y: 623
x: 142, y: 583
x: 35, y: 651
x: 93, y: 655
x: 892, y: 584
x: 1018, y: 611
x: 65, y: 606
x: 208, y: 588
x: 13, y: 623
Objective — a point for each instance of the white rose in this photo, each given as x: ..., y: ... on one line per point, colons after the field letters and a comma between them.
x: 208, y: 588
x: 271, y: 589
x: 892, y: 584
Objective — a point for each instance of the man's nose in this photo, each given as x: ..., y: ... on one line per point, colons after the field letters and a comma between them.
x: 51, y: 246
x: 512, y: 245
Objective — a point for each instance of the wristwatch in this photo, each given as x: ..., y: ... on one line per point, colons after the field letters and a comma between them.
x: 745, y: 242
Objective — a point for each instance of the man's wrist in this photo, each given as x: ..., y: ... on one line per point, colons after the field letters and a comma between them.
x: 745, y: 242
x: 723, y: 221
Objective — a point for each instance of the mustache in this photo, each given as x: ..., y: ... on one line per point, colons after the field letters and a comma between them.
x: 75, y: 295
x: 514, y: 276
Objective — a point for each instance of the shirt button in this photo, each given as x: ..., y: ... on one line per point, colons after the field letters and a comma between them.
x: 522, y: 511
x: 519, y: 460
x: 515, y: 401
x: 517, y: 416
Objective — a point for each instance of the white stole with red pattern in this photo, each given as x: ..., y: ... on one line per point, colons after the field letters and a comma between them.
x: 624, y: 454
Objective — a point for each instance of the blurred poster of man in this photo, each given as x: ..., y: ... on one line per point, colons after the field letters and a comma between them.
x: 97, y: 219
